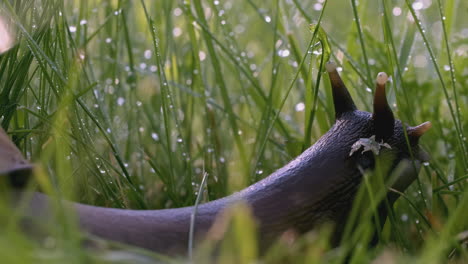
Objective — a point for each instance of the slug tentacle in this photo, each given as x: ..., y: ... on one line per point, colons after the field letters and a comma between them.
x: 384, y: 122
x: 417, y: 131
x: 341, y: 97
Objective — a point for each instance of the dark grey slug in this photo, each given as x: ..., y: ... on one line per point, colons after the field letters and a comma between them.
x: 316, y: 187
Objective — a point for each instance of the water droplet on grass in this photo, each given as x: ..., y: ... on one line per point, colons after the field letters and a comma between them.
x: 318, y: 7
x: 147, y: 54
x: 396, y: 11
x: 120, y: 101
x: 283, y: 53
x: 300, y: 107
x: 404, y: 217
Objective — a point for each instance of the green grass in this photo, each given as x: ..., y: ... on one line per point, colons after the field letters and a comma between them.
x: 127, y: 103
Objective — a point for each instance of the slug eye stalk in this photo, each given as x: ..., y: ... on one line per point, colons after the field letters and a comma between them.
x: 341, y: 97
x: 417, y: 131
x: 384, y: 122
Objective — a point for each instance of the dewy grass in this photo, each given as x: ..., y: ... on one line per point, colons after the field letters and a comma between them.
x: 127, y: 103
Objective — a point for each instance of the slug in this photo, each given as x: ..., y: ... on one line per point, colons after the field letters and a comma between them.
x: 317, y: 186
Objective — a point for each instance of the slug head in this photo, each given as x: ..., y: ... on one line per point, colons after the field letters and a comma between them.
x: 368, y: 135
x: 365, y: 137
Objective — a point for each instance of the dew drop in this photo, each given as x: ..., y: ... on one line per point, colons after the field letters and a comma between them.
x: 283, y: 53
x: 147, y: 54
x: 404, y: 217
x: 177, y: 11
x: 120, y: 101
x: 396, y: 11
x: 177, y: 31
x: 300, y: 107
x: 155, y: 136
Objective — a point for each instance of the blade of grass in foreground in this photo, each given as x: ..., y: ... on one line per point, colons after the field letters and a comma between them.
x: 437, y: 247
x: 392, y: 58
x: 357, y: 20
x: 194, y: 215
x: 452, y: 74
x: 324, y: 57
x: 167, y: 105
x: 267, y: 111
x: 298, y: 72
x: 225, y: 95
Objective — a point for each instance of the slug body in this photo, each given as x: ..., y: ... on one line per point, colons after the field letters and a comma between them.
x: 318, y: 186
